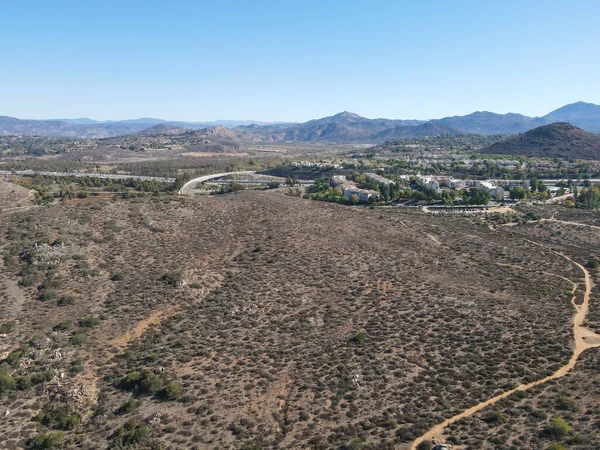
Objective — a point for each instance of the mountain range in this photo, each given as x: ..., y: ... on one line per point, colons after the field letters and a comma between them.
x: 345, y: 127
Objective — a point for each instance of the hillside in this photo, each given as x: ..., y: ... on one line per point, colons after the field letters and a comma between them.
x: 426, y: 129
x: 261, y: 320
x: 560, y: 139
x: 484, y: 122
x: 163, y: 129
x: 581, y: 114
x: 57, y: 128
x: 343, y: 127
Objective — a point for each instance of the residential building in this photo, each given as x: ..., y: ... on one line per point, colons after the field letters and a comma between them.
x: 363, y: 194
x: 382, y: 181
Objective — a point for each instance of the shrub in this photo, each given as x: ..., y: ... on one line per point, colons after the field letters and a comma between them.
x: 14, y: 357
x: 171, y: 278
x: 495, y: 417
x: 66, y: 300
x: 24, y: 383
x: 359, y: 339
x: 251, y: 445
x: 556, y: 447
x: 130, y: 405
x: 47, y: 295
x: 7, y: 383
x: 78, y: 338
x: 90, y: 322
x: 150, y: 383
x: 558, y: 428
x: 8, y: 327
x: 172, y: 391
x: 117, y: 277
x: 59, y: 415
x: 28, y: 381
x: 130, y: 434
x: 564, y: 403
x: 45, y: 441
x: 146, y: 382
x: 64, y: 325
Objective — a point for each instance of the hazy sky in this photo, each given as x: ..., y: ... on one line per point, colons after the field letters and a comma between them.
x: 294, y: 61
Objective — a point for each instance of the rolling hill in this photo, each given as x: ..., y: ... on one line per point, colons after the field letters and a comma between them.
x: 559, y: 139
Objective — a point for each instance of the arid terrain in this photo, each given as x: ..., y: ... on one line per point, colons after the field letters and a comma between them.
x: 261, y: 320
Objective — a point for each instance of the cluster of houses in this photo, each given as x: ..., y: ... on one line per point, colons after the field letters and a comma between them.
x: 496, y: 188
x: 455, y: 160
x: 314, y: 165
x: 349, y: 188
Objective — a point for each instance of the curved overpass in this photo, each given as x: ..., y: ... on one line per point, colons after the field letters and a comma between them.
x: 185, y: 189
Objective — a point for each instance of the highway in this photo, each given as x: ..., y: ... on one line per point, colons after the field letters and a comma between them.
x: 187, y: 187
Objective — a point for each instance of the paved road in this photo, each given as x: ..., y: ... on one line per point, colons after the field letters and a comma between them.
x: 185, y: 189
x: 579, y: 182
x: 259, y: 181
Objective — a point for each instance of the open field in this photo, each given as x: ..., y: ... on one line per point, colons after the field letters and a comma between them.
x: 269, y: 321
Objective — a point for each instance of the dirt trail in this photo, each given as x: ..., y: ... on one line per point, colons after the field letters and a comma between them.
x: 584, y: 339
x: 16, y: 300
x: 153, y: 319
x: 566, y: 222
x: 434, y: 239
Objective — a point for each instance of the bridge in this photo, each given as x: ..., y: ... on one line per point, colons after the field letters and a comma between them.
x: 187, y: 187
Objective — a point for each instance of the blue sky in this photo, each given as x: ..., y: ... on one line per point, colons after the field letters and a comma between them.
x: 294, y: 61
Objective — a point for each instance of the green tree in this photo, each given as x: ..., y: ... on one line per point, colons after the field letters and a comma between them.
x: 533, y: 184
x: 590, y: 197
x: 478, y: 197
x: 180, y: 180
x: 448, y: 197
x: 517, y: 193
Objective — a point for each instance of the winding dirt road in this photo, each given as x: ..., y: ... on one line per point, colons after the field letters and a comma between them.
x: 584, y: 339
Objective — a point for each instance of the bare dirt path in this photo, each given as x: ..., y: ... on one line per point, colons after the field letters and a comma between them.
x: 566, y: 222
x: 434, y: 239
x: 584, y: 339
x: 13, y: 307
x: 153, y: 319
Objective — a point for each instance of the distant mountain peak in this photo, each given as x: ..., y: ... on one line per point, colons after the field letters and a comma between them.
x: 349, y: 115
